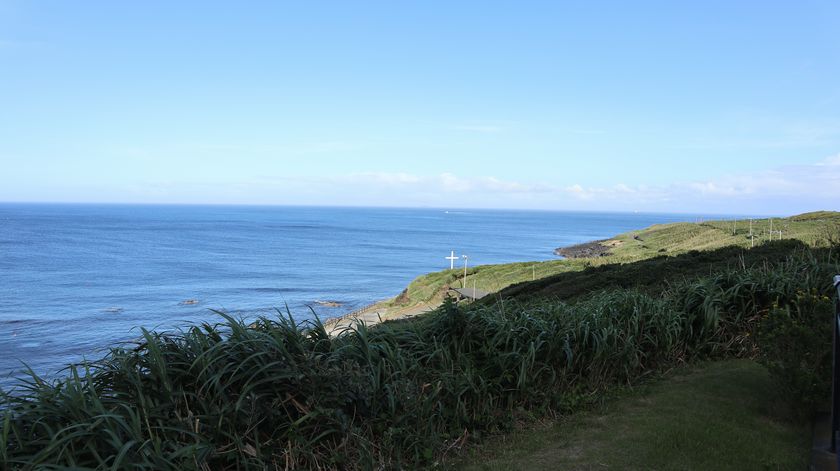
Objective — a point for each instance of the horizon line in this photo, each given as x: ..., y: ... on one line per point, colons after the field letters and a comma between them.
x: 350, y: 206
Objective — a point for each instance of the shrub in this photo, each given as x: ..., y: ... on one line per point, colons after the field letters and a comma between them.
x: 795, y: 345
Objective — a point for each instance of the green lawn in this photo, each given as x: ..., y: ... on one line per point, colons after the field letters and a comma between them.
x: 719, y: 416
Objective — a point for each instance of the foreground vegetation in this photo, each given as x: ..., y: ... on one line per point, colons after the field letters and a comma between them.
x: 671, y: 423
x: 405, y: 394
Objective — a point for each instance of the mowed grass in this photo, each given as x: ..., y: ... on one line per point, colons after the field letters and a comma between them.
x: 658, y: 241
x: 719, y: 415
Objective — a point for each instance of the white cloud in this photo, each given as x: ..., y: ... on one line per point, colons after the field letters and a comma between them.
x: 799, y: 187
x: 620, y: 193
x: 445, y: 182
x: 765, y: 191
x: 450, y: 182
x: 830, y: 161
x: 784, y: 190
x: 580, y: 192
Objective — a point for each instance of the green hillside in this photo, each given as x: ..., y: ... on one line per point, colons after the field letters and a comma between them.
x: 812, y: 229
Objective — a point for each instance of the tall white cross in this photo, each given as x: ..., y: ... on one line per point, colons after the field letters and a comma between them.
x: 451, y: 259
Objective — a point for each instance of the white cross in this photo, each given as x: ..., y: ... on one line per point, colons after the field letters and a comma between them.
x: 451, y: 259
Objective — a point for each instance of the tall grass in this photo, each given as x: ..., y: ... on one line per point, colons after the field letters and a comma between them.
x: 283, y: 394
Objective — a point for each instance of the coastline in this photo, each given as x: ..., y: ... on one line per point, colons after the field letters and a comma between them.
x: 374, y: 314
x: 425, y: 293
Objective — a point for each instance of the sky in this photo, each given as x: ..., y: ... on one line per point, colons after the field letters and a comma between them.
x: 708, y: 107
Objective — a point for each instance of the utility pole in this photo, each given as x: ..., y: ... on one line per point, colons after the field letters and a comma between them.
x: 750, y: 227
x: 465, y: 270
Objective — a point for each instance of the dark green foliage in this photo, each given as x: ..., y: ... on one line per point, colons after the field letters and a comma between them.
x: 279, y: 394
x: 653, y: 274
x: 795, y: 345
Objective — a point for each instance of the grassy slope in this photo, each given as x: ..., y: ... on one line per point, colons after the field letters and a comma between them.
x: 658, y: 240
x: 650, y: 274
x: 711, y: 416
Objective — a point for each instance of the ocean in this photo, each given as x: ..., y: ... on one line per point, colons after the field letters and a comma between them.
x: 76, y: 279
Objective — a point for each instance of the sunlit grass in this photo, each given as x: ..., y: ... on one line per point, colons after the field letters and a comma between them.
x: 662, y: 240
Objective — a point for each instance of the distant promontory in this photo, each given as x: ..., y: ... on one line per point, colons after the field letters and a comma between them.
x: 596, y: 248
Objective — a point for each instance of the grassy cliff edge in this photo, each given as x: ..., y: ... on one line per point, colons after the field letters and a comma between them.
x: 660, y: 240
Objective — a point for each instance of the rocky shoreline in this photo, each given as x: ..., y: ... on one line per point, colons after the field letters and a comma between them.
x: 596, y: 248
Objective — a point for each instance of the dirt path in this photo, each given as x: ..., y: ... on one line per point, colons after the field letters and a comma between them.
x: 375, y: 316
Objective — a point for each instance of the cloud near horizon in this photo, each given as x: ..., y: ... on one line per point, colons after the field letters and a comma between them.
x: 784, y: 190
x: 788, y: 188
x: 444, y: 182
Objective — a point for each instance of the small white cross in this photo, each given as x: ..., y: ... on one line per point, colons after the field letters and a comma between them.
x: 451, y: 259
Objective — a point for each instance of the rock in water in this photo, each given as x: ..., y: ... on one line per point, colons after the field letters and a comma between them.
x: 329, y: 303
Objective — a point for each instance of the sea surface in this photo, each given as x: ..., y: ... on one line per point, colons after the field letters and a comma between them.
x: 75, y: 279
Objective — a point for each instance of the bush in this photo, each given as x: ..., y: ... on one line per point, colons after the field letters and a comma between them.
x: 795, y: 345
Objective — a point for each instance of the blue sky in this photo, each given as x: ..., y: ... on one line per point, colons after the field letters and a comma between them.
x: 653, y: 106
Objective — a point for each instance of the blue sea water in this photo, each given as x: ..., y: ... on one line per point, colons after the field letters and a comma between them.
x: 75, y: 279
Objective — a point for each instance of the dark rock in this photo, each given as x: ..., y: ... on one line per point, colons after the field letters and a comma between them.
x: 586, y: 250
x: 329, y: 303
